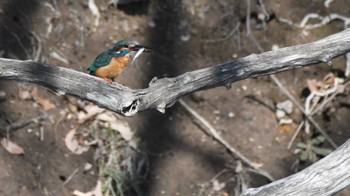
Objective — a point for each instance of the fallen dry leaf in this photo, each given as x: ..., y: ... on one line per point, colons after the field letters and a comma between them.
x: 116, y: 124
x: 11, y: 147
x: 106, y: 117
x: 92, y: 110
x: 329, y: 79
x: 47, y: 105
x: 257, y: 165
x: 98, y: 189
x: 96, y: 192
x: 79, y: 193
x: 285, y: 128
x: 315, y: 85
x: 73, y: 144
x: 123, y: 128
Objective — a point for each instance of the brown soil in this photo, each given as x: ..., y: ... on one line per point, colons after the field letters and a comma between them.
x: 181, y: 156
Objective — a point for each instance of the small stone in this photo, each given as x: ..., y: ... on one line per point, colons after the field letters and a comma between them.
x: 69, y: 116
x: 286, y: 106
x: 231, y: 114
x: 285, y: 121
x: 280, y: 114
x: 87, y: 166
x: 24, y: 95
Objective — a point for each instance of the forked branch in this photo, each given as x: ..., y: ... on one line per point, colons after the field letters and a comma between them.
x: 163, y: 93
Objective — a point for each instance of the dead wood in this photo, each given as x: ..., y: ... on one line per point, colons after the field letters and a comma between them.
x: 163, y: 93
x: 326, y: 177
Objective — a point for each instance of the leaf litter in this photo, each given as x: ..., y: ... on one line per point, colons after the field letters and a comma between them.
x: 46, y: 104
x: 11, y: 147
x: 115, y: 148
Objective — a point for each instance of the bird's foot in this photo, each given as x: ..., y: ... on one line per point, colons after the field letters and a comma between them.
x: 108, y: 80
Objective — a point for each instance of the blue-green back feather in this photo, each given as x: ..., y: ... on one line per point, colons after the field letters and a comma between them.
x: 105, y: 58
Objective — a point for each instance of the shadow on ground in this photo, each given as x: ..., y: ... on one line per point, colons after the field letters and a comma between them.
x: 161, y: 133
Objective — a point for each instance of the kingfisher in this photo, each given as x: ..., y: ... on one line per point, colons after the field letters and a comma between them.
x: 113, y: 61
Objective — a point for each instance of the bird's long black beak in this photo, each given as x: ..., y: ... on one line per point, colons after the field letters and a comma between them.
x: 138, y: 47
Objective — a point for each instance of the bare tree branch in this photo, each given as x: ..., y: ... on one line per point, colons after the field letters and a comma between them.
x: 164, y: 92
x: 326, y: 177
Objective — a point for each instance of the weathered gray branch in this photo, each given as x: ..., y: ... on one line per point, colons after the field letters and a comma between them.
x: 164, y: 92
x: 326, y: 177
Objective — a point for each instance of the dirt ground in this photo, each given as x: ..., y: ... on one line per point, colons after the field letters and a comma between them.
x: 186, y: 35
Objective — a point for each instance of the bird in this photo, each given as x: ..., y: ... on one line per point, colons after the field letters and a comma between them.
x: 113, y: 61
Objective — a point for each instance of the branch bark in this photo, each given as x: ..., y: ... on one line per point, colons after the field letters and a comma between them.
x: 326, y: 177
x: 163, y: 93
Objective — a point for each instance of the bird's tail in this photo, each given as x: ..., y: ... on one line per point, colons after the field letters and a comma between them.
x: 91, y: 72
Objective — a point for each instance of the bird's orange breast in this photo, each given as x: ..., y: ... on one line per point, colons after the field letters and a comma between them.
x: 114, y: 68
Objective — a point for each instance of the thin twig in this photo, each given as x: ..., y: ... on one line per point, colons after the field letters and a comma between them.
x: 37, y: 54
x: 205, y: 125
x: 239, y: 43
x: 263, y: 7
x: 322, y: 105
x: 327, y: 2
x: 94, y: 10
x: 21, y: 44
x: 256, y: 42
x: 291, y: 97
x: 324, y: 20
x: 290, y: 143
x: 247, y: 22
x: 307, y: 111
x: 310, y: 118
x: 70, y: 176
x: 17, y: 125
x: 313, y: 112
